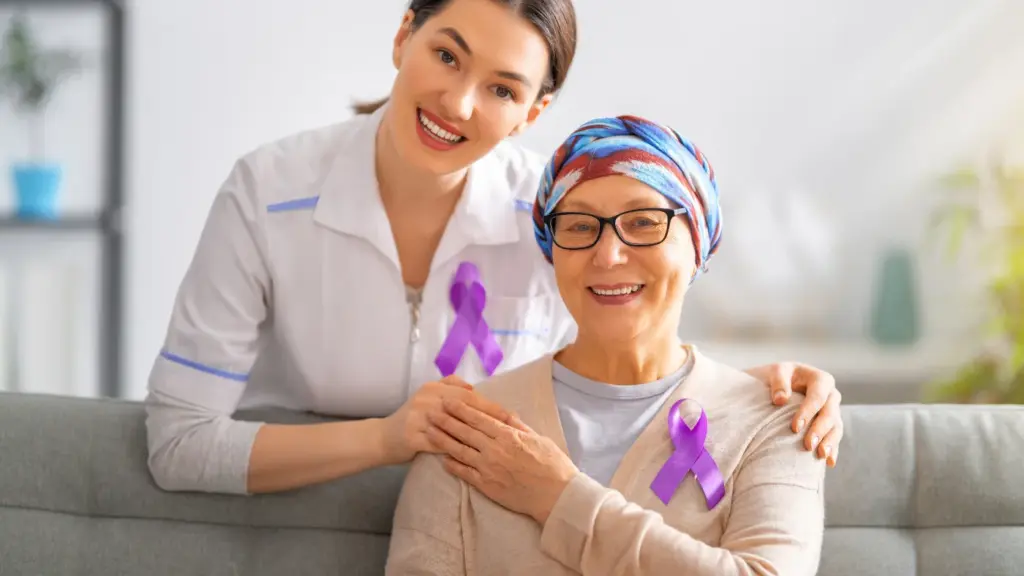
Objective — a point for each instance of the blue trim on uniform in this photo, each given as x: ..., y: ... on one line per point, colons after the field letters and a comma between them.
x: 297, y: 204
x: 237, y: 377
x: 524, y: 206
x: 517, y: 333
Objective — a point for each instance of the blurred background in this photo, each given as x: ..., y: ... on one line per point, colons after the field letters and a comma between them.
x: 869, y: 156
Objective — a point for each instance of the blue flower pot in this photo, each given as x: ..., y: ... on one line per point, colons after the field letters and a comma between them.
x: 35, y: 187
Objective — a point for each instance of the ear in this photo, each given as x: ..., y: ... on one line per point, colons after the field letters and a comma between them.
x: 531, y: 116
x: 403, y: 34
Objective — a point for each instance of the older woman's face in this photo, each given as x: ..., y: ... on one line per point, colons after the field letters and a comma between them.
x: 592, y: 281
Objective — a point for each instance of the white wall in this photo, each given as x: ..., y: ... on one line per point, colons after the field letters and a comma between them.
x: 850, y: 105
x: 50, y: 282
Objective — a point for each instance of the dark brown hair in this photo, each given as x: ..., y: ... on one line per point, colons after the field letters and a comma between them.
x: 554, y: 19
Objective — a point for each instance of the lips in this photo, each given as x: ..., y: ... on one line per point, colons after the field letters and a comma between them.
x: 615, y: 289
x: 438, y: 128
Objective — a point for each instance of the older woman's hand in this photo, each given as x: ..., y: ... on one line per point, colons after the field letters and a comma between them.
x: 820, y: 406
x: 406, y: 429
x: 510, y: 464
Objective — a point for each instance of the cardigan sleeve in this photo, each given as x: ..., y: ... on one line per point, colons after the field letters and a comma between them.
x: 426, y: 536
x: 775, y: 525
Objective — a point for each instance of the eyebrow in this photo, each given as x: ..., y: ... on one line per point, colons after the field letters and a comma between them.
x: 458, y: 39
x: 578, y: 205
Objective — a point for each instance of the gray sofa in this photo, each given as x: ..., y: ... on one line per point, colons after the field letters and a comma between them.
x: 931, y: 490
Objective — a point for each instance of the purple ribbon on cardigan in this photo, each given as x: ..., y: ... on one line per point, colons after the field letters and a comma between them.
x: 468, y: 298
x: 690, y: 455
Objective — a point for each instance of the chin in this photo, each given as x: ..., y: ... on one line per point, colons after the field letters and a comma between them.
x: 614, y: 334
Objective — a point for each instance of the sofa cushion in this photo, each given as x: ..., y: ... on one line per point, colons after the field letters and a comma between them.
x: 927, y: 489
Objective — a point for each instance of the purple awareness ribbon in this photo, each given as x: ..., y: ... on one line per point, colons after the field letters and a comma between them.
x: 468, y: 298
x: 689, y: 455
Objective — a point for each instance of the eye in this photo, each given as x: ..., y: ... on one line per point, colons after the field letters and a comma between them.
x: 446, y: 57
x: 504, y: 93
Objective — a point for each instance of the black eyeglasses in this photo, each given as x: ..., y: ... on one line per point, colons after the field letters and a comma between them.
x: 641, y: 227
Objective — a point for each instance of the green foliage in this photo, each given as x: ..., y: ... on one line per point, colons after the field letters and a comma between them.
x: 28, y: 73
x: 996, y: 376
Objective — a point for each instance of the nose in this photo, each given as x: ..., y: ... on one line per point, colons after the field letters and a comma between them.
x: 458, y: 102
x: 609, y: 250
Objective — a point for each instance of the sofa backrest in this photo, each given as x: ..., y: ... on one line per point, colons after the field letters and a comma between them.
x: 927, y: 489
x: 919, y: 490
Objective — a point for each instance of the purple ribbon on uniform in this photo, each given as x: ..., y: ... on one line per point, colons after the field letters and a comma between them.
x: 690, y: 455
x: 468, y: 298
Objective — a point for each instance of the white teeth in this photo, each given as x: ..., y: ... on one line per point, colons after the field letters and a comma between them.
x: 617, y: 291
x: 438, y: 131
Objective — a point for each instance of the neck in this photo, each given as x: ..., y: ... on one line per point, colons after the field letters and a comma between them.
x: 412, y: 189
x: 624, y: 363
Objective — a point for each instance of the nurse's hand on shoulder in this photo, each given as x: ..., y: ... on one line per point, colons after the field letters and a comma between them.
x: 406, y: 429
x: 819, y: 408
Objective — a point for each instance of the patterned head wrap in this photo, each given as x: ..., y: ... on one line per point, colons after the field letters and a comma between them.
x: 653, y: 154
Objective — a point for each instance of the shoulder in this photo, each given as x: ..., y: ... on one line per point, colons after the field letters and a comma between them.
x: 739, y: 407
x: 522, y: 168
x: 746, y: 399
x: 293, y: 166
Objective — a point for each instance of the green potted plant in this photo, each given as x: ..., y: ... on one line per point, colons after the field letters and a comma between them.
x: 29, y: 75
x: 995, y: 376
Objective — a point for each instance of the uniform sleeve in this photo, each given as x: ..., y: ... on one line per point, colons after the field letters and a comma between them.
x: 775, y: 526
x: 426, y: 537
x: 210, y: 346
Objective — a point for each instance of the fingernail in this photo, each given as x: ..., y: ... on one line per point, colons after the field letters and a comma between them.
x: 828, y: 452
x: 814, y: 442
x: 800, y: 424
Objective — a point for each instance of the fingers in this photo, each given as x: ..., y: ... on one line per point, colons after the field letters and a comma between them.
x: 824, y: 422
x: 830, y: 429
x: 829, y: 447
x: 459, y: 430
x: 780, y: 382
x: 484, y: 405
x: 817, y: 394
x: 454, y: 380
x: 477, y: 401
x: 517, y: 423
x: 461, y: 471
x: 481, y: 421
x: 451, y: 446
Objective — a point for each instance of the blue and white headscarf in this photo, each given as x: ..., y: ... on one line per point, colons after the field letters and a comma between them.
x: 651, y: 153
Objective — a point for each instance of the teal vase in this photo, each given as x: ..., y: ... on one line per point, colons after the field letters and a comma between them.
x: 894, y: 320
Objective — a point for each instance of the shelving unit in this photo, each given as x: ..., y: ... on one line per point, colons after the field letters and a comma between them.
x: 107, y: 221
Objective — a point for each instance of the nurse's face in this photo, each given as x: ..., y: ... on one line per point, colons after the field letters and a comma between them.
x: 467, y: 79
x: 622, y: 295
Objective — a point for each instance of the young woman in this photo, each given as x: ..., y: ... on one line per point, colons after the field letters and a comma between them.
x: 322, y: 278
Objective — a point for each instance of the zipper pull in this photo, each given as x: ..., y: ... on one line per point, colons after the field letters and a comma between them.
x: 415, y: 312
x: 414, y: 297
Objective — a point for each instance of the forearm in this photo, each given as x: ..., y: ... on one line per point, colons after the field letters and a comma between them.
x: 593, y: 528
x: 285, y: 457
x: 192, y: 448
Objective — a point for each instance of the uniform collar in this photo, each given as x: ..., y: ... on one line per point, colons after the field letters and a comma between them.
x: 350, y: 200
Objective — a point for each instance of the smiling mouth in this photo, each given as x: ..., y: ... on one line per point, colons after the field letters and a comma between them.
x: 437, y: 132
x: 617, y: 291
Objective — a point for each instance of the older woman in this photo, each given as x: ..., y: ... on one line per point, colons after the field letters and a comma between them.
x: 629, y: 452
